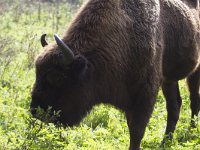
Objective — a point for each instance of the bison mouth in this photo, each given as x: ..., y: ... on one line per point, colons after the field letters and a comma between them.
x: 47, y: 116
x: 56, y: 117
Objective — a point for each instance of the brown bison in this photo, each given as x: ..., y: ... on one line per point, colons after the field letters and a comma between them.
x: 120, y: 52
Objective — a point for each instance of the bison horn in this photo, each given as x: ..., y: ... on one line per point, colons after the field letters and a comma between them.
x: 69, y: 55
x: 43, y: 40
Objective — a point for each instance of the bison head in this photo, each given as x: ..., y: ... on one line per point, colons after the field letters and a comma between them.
x: 61, y: 78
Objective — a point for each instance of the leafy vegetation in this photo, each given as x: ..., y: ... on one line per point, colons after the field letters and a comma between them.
x: 22, y: 24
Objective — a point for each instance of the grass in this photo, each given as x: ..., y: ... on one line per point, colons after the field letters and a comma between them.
x: 104, y: 128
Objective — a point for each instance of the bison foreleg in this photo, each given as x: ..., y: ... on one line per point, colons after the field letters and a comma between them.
x: 137, y: 120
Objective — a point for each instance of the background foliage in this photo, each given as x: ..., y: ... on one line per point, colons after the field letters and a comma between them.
x: 22, y: 24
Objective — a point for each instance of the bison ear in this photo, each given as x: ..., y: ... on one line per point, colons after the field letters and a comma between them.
x: 79, y: 67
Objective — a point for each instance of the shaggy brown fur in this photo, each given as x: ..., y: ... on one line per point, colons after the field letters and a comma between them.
x: 123, y: 50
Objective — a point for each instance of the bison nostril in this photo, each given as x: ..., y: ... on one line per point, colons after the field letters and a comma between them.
x: 33, y: 111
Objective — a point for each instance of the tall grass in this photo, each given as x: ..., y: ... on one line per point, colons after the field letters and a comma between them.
x: 22, y: 24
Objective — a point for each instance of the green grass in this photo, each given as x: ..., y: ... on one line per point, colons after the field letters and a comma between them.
x: 104, y: 128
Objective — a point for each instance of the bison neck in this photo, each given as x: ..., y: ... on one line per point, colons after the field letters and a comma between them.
x: 110, y: 36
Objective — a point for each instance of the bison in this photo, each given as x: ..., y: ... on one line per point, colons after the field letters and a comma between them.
x: 120, y: 52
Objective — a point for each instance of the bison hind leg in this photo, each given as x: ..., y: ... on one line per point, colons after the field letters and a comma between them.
x: 173, y: 100
x: 194, y: 87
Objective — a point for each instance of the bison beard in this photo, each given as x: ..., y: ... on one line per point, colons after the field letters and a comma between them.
x: 119, y: 52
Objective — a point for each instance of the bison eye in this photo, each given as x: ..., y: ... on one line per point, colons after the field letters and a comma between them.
x: 55, y: 78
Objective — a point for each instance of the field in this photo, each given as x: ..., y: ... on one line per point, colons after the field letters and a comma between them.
x: 21, y: 25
